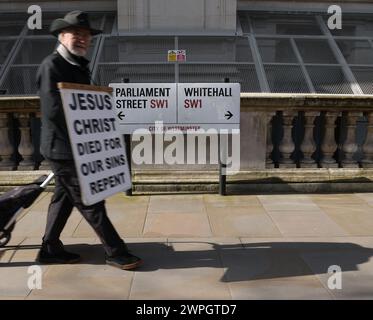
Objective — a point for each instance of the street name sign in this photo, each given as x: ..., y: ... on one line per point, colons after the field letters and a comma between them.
x: 179, y: 106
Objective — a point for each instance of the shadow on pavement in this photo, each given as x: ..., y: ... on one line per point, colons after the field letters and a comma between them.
x: 241, y: 262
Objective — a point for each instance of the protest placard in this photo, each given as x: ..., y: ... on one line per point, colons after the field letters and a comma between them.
x: 97, y: 145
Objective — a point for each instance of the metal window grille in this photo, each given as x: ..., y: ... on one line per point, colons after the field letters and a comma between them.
x: 147, y: 73
x: 136, y: 49
x: 33, y: 51
x: 20, y: 80
x: 276, y: 50
x: 282, y: 79
x: 329, y: 79
x: 357, y: 27
x: 11, y: 24
x: 216, y: 49
x: 283, y: 24
x: 364, y: 77
x: 244, y: 74
x: 209, y: 59
x: 5, y: 47
x: 356, y: 52
x: 315, y: 51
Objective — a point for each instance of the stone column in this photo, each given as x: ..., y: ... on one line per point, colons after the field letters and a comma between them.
x: 308, y: 146
x: 6, y: 148
x: 25, y: 148
x: 350, y: 147
x: 253, y: 140
x: 44, y: 165
x: 287, y: 145
x: 329, y: 145
x: 269, y: 144
x: 367, y: 161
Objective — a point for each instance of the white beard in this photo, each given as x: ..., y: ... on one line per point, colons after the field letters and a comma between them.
x: 79, y: 53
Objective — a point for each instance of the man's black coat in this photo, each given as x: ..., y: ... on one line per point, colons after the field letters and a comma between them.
x: 55, y: 143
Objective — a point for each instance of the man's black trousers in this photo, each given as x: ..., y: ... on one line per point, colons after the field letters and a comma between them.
x: 66, y: 196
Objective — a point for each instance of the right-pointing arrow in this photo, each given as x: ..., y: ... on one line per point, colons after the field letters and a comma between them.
x: 228, y: 115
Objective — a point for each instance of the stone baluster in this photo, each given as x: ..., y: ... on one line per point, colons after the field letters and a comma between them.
x: 367, y: 161
x: 269, y: 147
x: 287, y: 145
x: 25, y: 148
x: 44, y: 165
x: 6, y: 148
x: 350, y: 146
x: 329, y: 144
x: 308, y: 146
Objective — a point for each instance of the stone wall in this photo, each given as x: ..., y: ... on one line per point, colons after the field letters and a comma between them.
x: 218, y: 16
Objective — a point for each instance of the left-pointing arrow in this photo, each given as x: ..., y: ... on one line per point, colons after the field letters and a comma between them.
x: 121, y: 115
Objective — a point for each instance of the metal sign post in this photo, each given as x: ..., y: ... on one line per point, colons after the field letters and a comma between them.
x: 127, y: 142
x: 222, y: 162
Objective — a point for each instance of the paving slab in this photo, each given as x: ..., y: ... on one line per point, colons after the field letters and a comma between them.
x: 288, y: 203
x: 356, y: 267
x: 91, y: 278
x: 355, y: 219
x: 214, y: 200
x: 176, y: 204
x: 13, y: 280
x: 121, y: 199
x: 180, y: 274
x: 367, y: 197
x: 7, y: 252
x: 177, y: 225
x: 204, y: 244
x: 82, y: 281
x: 33, y: 224
x: 305, y: 223
x: 336, y: 199
x: 298, y: 288
x: 352, y: 254
x: 15, y: 270
x: 126, y: 223
x: 262, y: 273
x: 241, y: 221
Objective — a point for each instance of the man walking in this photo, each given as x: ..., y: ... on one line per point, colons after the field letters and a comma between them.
x: 67, y: 64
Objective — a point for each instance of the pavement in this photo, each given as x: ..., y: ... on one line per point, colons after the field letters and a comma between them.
x: 205, y: 247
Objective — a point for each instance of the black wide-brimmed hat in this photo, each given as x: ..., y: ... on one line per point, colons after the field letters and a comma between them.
x: 72, y: 19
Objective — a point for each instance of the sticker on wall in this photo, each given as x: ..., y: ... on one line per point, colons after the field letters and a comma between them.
x: 176, y: 55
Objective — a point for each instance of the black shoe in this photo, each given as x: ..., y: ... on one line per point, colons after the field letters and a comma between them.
x: 60, y: 257
x: 126, y: 261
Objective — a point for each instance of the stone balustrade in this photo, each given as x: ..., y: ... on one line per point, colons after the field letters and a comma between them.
x: 330, y: 142
x: 17, y: 138
x: 310, y: 131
